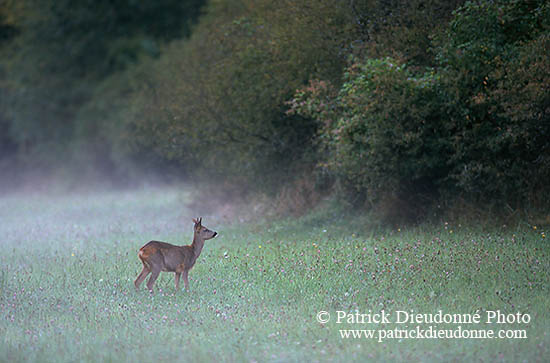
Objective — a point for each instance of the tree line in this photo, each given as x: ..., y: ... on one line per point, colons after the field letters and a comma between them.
x: 412, y: 103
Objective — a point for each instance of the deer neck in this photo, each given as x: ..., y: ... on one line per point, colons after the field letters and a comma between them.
x: 197, y: 245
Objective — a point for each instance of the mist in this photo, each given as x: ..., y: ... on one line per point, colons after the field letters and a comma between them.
x: 354, y: 158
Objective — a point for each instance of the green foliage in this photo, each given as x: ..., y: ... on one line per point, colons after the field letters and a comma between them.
x: 218, y: 99
x: 402, y: 30
x: 382, y: 129
x: 62, y: 52
x: 484, y: 34
x: 216, y: 102
x: 474, y: 127
x: 8, y: 22
x: 405, y: 100
x: 496, y: 144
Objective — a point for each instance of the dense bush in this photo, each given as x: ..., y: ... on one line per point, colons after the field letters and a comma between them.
x: 492, y: 63
x: 56, y: 58
x: 216, y: 102
x: 475, y: 127
x: 415, y: 102
x: 382, y: 129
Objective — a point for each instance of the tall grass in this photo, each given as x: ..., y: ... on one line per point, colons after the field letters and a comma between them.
x: 68, y: 263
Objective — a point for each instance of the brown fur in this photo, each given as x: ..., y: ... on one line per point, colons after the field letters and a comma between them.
x: 159, y: 256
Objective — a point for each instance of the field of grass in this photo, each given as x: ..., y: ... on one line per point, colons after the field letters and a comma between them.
x: 68, y: 263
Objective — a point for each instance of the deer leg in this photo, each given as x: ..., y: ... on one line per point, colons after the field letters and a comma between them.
x: 154, y: 275
x: 185, y: 280
x: 143, y: 274
x: 178, y: 274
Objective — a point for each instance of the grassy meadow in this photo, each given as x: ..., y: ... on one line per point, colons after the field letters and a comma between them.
x: 68, y: 263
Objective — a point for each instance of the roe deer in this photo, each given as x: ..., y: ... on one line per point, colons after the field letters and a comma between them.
x: 161, y: 256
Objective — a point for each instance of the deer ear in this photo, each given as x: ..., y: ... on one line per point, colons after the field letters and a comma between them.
x: 200, y: 220
x: 195, y: 221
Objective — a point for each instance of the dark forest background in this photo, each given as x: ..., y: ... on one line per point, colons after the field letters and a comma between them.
x: 401, y: 107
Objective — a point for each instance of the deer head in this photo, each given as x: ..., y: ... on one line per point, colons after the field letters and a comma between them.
x: 201, y: 231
